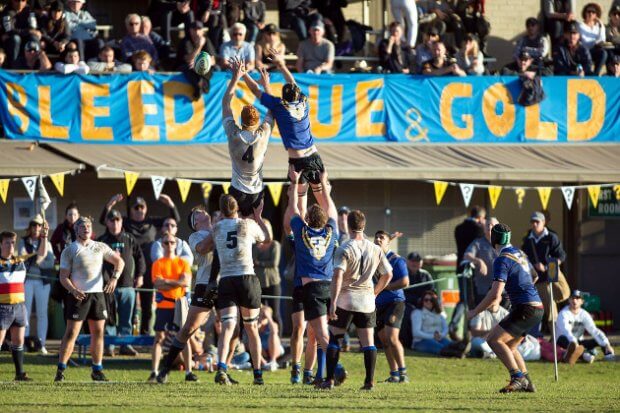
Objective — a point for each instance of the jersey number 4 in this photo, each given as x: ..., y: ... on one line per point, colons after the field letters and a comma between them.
x: 231, y: 240
x: 248, y: 156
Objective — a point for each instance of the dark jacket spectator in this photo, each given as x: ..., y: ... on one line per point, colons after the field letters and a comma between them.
x: 131, y: 253
x: 468, y: 230
x: 82, y: 28
x: 17, y: 28
x: 54, y: 30
x: 571, y: 58
x: 63, y: 234
x: 557, y: 13
x: 34, y: 58
x: 542, y: 246
x: 395, y: 55
x: 534, y: 42
x: 135, y: 41
x: 294, y: 15
x: 253, y: 18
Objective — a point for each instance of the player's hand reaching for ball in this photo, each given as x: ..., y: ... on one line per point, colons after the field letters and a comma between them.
x: 258, y: 211
x: 264, y: 78
x: 275, y: 56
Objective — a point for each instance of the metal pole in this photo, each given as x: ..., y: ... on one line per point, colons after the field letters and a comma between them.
x: 555, y: 351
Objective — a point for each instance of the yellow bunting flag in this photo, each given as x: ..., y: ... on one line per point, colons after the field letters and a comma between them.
x: 206, y: 189
x: 184, y: 185
x: 544, y: 193
x: 275, y: 189
x: 594, y: 191
x: 225, y: 187
x: 59, y: 182
x: 520, y: 192
x: 617, y: 192
x: 4, y: 189
x: 130, y: 179
x: 440, y: 190
x: 494, y: 192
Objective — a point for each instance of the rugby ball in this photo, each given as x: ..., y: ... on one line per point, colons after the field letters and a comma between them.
x: 202, y: 63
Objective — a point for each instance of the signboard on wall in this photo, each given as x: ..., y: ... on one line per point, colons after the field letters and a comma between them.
x: 608, y: 204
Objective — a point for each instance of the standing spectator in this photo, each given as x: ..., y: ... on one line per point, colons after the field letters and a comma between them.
x: 134, y: 40
x: 163, y: 48
x: 106, y: 63
x: 343, y: 224
x: 214, y: 19
x: 482, y: 254
x: 467, y: 231
x: 144, y: 228
x: 72, y: 63
x: 533, y: 42
x: 571, y: 57
x: 64, y: 233
x: 187, y: 51
x: 83, y: 29
x: 266, y: 261
x: 270, y: 39
x: 176, y: 12
x: 406, y: 13
x: 394, y: 55
x: 557, y: 14
x: 16, y: 29
x: 471, y: 13
x: 34, y: 58
x: 39, y: 269
x: 613, y: 67
x: 481, y: 325
x: 446, y: 17
x: 335, y: 24
x: 424, y: 52
x: 182, y: 248
x: 124, y: 296
x: 54, y: 28
x: 293, y: 15
x: 238, y: 48
x: 592, y: 33
x: 316, y: 54
x: 253, y: 18
x: 470, y: 58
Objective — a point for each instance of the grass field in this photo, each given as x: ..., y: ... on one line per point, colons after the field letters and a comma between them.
x: 437, y: 384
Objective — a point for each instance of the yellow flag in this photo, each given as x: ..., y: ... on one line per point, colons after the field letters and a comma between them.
x: 184, y: 185
x: 59, y: 182
x: 206, y: 189
x: 494, y: 192
x: 594, y: 191
x: 440, y: 190
x: 275, y: 189
x: 544, y: 193
x: 130, y: 179
x: 226, y: 186
x: 617, y: 192
x: 4, y: 189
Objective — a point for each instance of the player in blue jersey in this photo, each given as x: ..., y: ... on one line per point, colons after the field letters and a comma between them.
x: 512, y: 272
x: 391, y: 309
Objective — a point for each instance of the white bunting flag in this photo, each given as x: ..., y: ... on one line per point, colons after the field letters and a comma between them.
x: 158, y: 185
x: 569, y: 193
x: 467, y: 190
x: 30, y: 182
x: 44, y: 198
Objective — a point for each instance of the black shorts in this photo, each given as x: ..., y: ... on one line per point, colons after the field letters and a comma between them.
x: 310, y: 168
x: 164, y: 320
x: 390, y: 315
x: 246, y: 202
x: 521, y: 319
x: 361, y: 320
x: 204, y: 296
x: 93, y: 307
x: 316, y: 299
x: 298, y: 299
x: 241, y: 291
x: 13, y: 315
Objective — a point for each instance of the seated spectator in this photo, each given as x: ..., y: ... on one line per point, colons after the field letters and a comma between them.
x: 534, y: 42
x: 237, y: 47
x: 394, y: 54
x: 72, y: 63
x: 293, y: 15
x: 441, y: 65
x: 406, y: 12
x: 316, y: 54
x: 33, y: 58
x: 570, y: 57
x: 446, y: 19
x: 54, y: 29
x: 557, y: 14
x: 16, y: 30
x: 82, y: 29
x: 480, y: 327
x: 613, y: 66
x: 141, y: 62
x: 525, y: 66
x: 333, y: 17
x: 471, y: 13
x: 106, y: 63
x: 573, y: 322
x: 424, y: 51
x: 175, y: 13
x: 613, y: 28
x: 187, y: 51
x: 182, y: 248
x: 270, y: 39
x: 146, y: 28
x: 469, y: 58
x: 593, y: 35
x: 134, y: 40
x: 270, y: 339
x: 253, y: 18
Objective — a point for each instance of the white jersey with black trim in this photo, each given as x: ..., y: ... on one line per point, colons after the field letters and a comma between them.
x: 233, y: 240
x: 203, y: 262
x: 84, y: 263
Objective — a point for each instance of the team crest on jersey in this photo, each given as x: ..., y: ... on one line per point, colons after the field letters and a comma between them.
x: 317, y: 245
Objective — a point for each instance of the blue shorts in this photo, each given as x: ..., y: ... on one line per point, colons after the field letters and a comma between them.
x: 164, y: 320
x: 13, y: 315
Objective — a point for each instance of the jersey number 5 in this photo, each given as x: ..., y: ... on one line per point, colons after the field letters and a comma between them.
x: 231, y: 240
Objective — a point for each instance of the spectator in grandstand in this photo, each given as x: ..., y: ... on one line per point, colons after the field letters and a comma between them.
x: 40, y: 270
x: 557, y: 14
x: 135, y: 41
x: 182, y: 248
x: 613, y: 66
x: 482, y: 254
x: 481, y: 325
x: 266, y: 256
x: 525, y: 66
x: 33, y: 58
x: 141, y: 61
x: 333, y: 17
x: 572, y: 323
x: 214, y: 18
x: 269, y: 333
x: 237, y: 47
x: 16, y: 30
x: 613, y: 28
x: 395, y: 55
x: 592, y: 33
x: 72, y: 63
x: 253, y: 18
x: 471, y: 13
x: 269, y: 39
x: 424, y: 52
x: 441, y: 64
x: 316, y: 54
x: 174, y: 14
x: 446, y: 20
x: 187, y: 51
x: 406, y: 13
x: 54, y: 28
x: 534, y: 42
x: 64, y: 234
x: 82, y: 28
x: 293, y: 15
x: 571, y: 57
x: 106, y: 63
x: 413, y: 295
x: 163, y: 48
x: 470, y: 58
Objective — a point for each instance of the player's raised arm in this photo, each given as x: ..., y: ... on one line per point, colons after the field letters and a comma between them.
x: 293, y: 199
x: 278, y: 59
x: 238, y: 70
x: 252, y: 85
x: 325, y: 199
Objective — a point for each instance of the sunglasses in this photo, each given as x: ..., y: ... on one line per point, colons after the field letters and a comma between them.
x: 591, y: 11
x: 169, y: 242
x: 31, y: 50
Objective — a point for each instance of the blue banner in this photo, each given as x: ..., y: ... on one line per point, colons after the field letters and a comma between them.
x: 160, y: 109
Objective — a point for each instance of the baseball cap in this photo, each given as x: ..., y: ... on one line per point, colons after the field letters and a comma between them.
x: 37, y: 219
x: 576, y: 294
x: 615, y: 9
x: 537, y: 216
x: 531, y: 21
x: 572, y: 27
x: 56, y: 6
x: 271, y: 28
x: 343, y: 210
x: 32, y: 45
x: 433, y: 31
x: 414, y: 256
x: 318, y: 25
x: 113, y: 214
x: 524, y: 55
x: 138, y: 201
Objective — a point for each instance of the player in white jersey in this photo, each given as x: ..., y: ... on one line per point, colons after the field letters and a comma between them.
x: 353, y: 296
x: 247, y: 145
x: 80, y: 273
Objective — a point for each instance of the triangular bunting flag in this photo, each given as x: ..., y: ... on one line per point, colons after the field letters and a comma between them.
x: 275, y: 189
x: 130, y: 180
x: 467, y: 190
x: 594, y: 191
x: 206, y: 189
x: 59, y: 182
x: 158, y: 184
x: 184, y: 185
x: 544, y: 193
x: 225, y: 187
x: 520, y: 193
x: 494, y: 192
x: 30, y: 182
x: 440, y: 190
x: 617, y: 192
x: 569, y: 193
x: 44, y: 198
x: 4, y: 189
